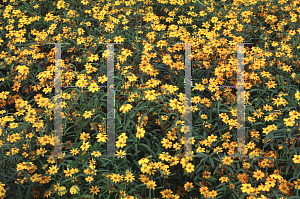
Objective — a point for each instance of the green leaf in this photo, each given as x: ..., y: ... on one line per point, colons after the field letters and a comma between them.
x: 197, y: 2
x: 288, y: 108
x: 269, y: 135
x: 147, y: 147
x: 257, y: 123
x: 127, y: 124
x: 19, y: 190
x: 14, y: 179
x: 243, y: 196
x: 118, y: 118
x: 131, y: 114
x: 211, y: 162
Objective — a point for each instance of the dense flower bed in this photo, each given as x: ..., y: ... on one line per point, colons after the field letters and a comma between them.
x: 149, y: 71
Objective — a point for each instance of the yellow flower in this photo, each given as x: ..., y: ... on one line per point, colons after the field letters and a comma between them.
x: 120, y: 154
x: 223, y: 179
x: 126, y: 107
x: 48, y: 17
x: 81, y: 31
x: 80, y: 40
x: 188, y: 185
x: 297, y: 184
x: 247, y: 188
x: 213, y: 193
x: 74, y: 151
x: 62, y: 191
x: 96, y: 154
x: 258, y: 174
x: 60, y: 4
x: 140, y: 132
x: 294, y: 115
x: 87, y: 114
x: 102, y: 79
x: 120, y: 143
x: 116, y: 177
x: 276, y: 176
x: 93, y: 57
x: 3, y: 94
x: 297, y: 95
x: 143, y: 161
x: 85, y: 146
x: 89, y: 179
x: 200, y: 150
x: 271, y: 84
x: 123, y: 136
x: 203, y: 190
x: 214, y: 19
x: 150, y: 95
x: 227, y: 160
x: 85, y: 136
x: 85, y: 2
x: 167, y: 193
x: 41, y: 151
x: 74, y: 189
x: 47, y: 90
x: 296, y: 159
x: 174, y: 104
x: 94, y: 190
x: 94, y: 87
x: 166, y: 143
x: 101, y: 137
x: 68, y: 173
x: 129, y: 176
x: 206, y: 174
x: 189, y: 167
x: 289, y: 121
x: 2, y: 190
x: 263, y: 197
x: 119, y: 39
x: 36, y: 6
x: 151, y: 184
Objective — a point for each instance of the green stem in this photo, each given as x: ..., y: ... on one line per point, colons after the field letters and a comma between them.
x: 149, y: 106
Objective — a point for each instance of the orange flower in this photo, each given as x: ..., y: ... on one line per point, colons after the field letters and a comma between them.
x: 151, y: 184
x: 203, y: 190
x: 227, y: 160
x: 258, y: 174
x: 167, y: 193
x: 243, y: 177
x: 188, y: 185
